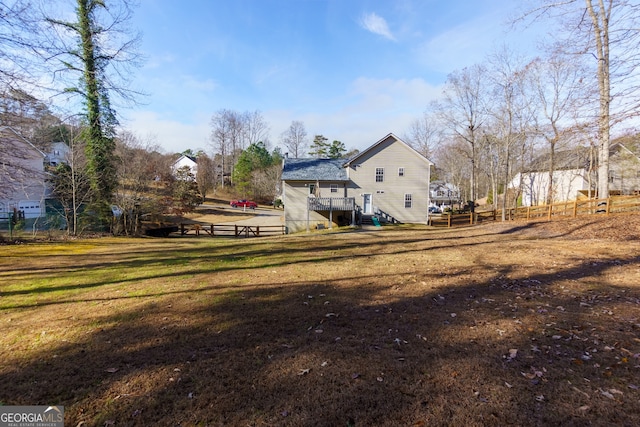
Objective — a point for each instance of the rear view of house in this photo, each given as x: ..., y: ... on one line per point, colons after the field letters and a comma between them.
x: 389, y: 181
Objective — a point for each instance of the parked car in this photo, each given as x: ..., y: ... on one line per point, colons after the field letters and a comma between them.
x: 434, y: 210
x: 242, y: 203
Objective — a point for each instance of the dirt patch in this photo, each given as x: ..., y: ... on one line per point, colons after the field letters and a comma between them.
x: 515, y: 323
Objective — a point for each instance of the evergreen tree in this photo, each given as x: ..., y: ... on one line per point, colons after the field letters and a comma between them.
x: 337, y: 150
x: 319, y: 147
x: 254, y: 158
x: 186, y: 196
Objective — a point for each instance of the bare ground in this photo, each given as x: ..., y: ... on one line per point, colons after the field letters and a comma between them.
x: 500, y: 324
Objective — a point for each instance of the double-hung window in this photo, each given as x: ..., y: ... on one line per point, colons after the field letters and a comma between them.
x: 379, y: 174
x: 408, y: 201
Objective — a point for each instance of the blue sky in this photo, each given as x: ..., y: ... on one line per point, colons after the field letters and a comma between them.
x: 351, y: 70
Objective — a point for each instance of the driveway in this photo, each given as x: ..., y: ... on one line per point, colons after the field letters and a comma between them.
x: 263, y: 217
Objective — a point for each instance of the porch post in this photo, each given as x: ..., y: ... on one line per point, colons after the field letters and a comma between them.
x: 308, y: 214
x: 330, y: 212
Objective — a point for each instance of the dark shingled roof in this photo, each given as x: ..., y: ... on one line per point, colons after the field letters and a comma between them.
x: 577, y: 158
x: 314, y: 170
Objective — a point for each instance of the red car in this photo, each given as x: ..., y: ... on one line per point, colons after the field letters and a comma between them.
x: 243, y: 204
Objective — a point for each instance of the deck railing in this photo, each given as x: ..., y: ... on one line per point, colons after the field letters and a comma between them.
x: 331, y: 203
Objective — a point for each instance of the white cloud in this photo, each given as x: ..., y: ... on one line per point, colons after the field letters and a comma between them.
x: 377, y: 25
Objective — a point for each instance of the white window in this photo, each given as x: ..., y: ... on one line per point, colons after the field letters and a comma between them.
x: 334, y: 188
x: 408, y: 202
x: 400, y: 171
x: 379, y: 174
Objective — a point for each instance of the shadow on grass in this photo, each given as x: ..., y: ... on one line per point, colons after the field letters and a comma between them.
x: 224, y: 257
x: 355, y: 350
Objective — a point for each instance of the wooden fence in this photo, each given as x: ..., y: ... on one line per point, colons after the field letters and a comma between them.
x: 571, y: 209
x: 232, y: 230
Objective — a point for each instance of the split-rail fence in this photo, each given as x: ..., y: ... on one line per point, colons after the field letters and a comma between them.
x: 570, y: 209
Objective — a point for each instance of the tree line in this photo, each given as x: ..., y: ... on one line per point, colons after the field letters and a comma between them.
x: 495, y: 117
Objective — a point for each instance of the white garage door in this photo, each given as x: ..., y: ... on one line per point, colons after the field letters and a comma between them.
x: 31, y: 208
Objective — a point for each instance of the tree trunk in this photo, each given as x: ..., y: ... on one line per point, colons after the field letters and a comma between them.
x: 600, y: 22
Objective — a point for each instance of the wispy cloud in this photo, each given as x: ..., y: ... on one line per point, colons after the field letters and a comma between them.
x: 377, y: 25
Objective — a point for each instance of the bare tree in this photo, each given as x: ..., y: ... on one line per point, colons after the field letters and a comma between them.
x: 232, y: 132
x: 508, y: 108
x: 70, y: 182
x: 462, y: 111
x: 453, y: 164
x: 294, y: 139
x: 17, y: 29
x: 221, y: 139
x: 558, y: 93
x: 424, y: 134
x: 28, y: 115
x: 256, y: 128
x: 605, y: 32
x: 205, y: 178
x: 141, y: 168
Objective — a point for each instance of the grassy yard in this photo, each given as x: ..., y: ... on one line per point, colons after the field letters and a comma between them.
x: 500, y: 324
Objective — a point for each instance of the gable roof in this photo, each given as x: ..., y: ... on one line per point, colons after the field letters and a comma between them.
x: 439, y: 185
x: 382, y: 141
x: 184, y: 156
x: 314, y: 170
x: 577, y: 158
x: 6, y: 130
x: 631, y: 148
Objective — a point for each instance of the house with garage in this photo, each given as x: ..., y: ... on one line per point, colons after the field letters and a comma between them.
x: 23, y: 187
x: 387, y: 182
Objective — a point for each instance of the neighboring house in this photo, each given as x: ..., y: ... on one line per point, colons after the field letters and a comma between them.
x: 22, y: 176
x: 571, y: 176
x: 388, y: 180
x: 185, y: 161
x: 575, y: 173
x: 624, y: 168
x: 442, y: 194
x: 59, y: 153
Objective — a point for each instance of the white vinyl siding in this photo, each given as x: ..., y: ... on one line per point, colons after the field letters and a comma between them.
x: 389, y: 194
